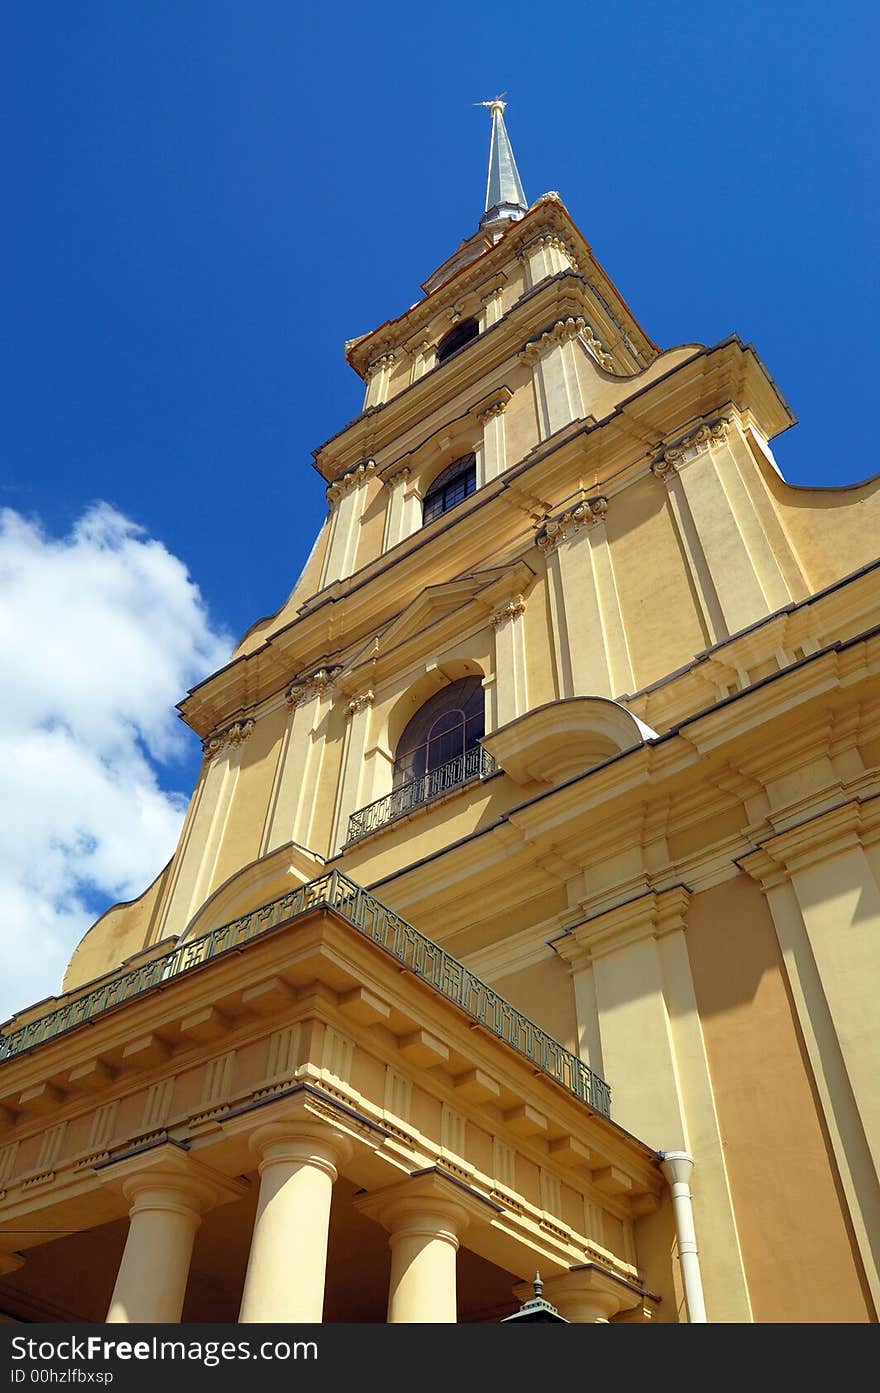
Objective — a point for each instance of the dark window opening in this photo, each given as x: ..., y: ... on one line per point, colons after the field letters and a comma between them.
x: 463, y: 333
x: 456, y: 483
x: 447, y: 726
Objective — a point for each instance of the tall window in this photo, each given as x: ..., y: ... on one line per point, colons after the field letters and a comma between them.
x: 463, y: 333
x: 456, y: 483
x: 448, y: 725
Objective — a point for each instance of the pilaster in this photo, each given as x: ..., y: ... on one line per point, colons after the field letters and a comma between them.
x: 378, y: 380
x: 297, y: 779
x: 735, y: 573
x: 351, y: 782
x: 591, y: 648
x: 646, y: 1030
x: 824, y: 897
x: 347, y: 498
x: 493, y: 456
x: 511, y: 689
x: 553, y: 361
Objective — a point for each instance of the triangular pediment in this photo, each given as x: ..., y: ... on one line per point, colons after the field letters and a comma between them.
x: 485, y: 589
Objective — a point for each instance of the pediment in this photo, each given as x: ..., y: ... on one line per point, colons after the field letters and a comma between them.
x: 485, y: 589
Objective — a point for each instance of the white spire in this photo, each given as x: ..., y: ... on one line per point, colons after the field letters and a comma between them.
x: 505, y: 198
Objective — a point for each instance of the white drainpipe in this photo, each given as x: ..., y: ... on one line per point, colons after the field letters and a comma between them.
x: 676, y: 1167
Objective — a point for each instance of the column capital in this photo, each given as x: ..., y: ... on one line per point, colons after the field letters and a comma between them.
x: 305, y: 1125
x: 399, y: 476
x: 689, y: 447
x: 169, y: 1177
x: 352, y: 479
x: 233, y: 734
x: 587, y: 513
x: 301, y: 1141
x: 588, y: 1294
x: 651, y: 915
x: 428, y: 1203
x: 512, y: 610
x: 357, y: 703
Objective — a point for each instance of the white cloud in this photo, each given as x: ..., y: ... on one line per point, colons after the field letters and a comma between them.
x: 101, y: 632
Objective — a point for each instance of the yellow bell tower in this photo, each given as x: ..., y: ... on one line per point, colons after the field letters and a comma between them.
x: 525, y: 915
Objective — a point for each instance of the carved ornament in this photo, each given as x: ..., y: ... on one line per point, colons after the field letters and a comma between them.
x: 340, y: 487
x: 564, y: 331
x: 232, y: 735
x: 514, y: 607
x: 357, y: 703
x: 386, y: 360
x: 495, y: 408
x: 700, y: 440
x: 399, y: 476
x: 318, y: 684
x: 585, y: 514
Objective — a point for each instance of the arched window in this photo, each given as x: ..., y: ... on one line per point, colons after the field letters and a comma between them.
x: 450, y: 724
x: 456, y: 483
x: 463, y: 333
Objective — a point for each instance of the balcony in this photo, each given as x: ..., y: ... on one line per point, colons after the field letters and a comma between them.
x: 474, y: 764
x: 333, y: 891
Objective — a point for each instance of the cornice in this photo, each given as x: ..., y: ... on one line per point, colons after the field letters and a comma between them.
x: 651, y: 915
x: 849, y: 827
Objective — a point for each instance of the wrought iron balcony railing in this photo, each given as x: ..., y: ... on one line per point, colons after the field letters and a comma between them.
x: 334, y: 891
x: 475, y: 763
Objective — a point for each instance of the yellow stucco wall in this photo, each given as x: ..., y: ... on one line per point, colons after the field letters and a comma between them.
x: 778, y: 1159
x: 544, y: 992
x: 833, y: 530
x: 119, y: 933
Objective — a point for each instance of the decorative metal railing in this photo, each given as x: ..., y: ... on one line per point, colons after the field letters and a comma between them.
x: 475, y: 763
x: 424, y: 958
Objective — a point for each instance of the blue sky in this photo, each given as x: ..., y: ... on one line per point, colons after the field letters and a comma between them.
x: 206, y: 198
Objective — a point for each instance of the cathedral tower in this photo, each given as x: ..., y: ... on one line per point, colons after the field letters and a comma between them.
x: 525, y: 915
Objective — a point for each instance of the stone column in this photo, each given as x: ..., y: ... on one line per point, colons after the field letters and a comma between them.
x: 347, y: 497
x: 425, y: 1217
x: 169, y: 1192
x: 286, y: 1270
